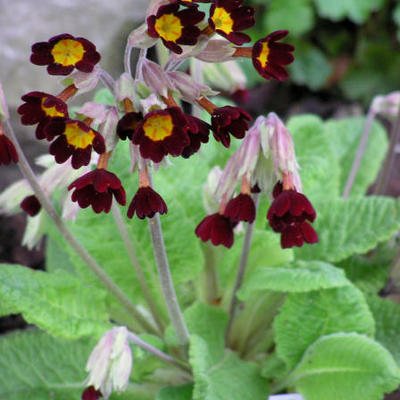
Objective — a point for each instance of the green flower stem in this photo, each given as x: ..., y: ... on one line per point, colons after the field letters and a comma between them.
x: 384, y: 175
x: 136, y: 266
x: 260, y: 343
x: 108, y: 283
x: 158, y: 353
x: 210, y: 282
x: 242, y: 269
x: 360, y: 152
x: 167, y: 286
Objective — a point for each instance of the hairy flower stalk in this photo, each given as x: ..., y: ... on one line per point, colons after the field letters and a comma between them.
x: 108, y: 283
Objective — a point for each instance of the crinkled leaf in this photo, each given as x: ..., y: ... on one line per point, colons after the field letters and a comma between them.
x: 356, y: 10
x: 230, y: 378
x: 307, y: 316
x: 56, y: 302
x: 297, y: 17
x: 345, y: 136
x: 320, y: 169
x: 352, y: 226
x: 311, y: 67
x: 346, y: 366
x: 301, y: 276
x: 176, y: 392
x: 387, y: 320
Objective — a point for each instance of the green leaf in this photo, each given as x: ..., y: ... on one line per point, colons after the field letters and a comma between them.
x: 356, y: 10
x: 230, y: 378
x: 301, y: 276
x: 36, y: 366
x: 396, y: 19
x: 56, y: 302
x: 311, y: 67
x: 346, y: 367
x: 387, y: 320
x: 307, y: 316
x: 352, y: 226
x: 297, y: 17
x: 320, y: 168
x: 176, y: 392
x: 345, y: 136
x: 57, y: 257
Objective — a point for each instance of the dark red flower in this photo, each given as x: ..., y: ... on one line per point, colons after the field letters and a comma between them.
x: 63, y: 53
x: 198, y: 132
x: 269, y: 57
x: 229, y: 120
x: 240, y: 96
x: 31, y: 205
x: 91, y: 393
x: 228, y: 17
x: 40, y: 108
x: 128, y: 124
x: 146, y: 203
x: 217, y: 228
x: 175, y: 27
x: 288, y: 215
x: 241, y: 208
x: 74, y: 139
x: 7, y: 150
x: 96, y: 189
x: 162, y: 132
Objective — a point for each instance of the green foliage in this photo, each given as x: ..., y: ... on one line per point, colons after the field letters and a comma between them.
x: 305, y: 317
x: 301, y: 276
x: 387, y: 320
x: 344, y: 136
x: 299, y: 19
x: 175, y: 392
x: 353, y: 226
x: 56, y: 302
x: 345, y: 366
x: 229, y: 378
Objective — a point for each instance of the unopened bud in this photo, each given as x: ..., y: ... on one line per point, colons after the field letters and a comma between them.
x: 110, y: 362
x: 84, y: 81
x: 108, y: 129
x: 216, y: 51
x: 189, y: 89
x: 34, y: 230
x: 156, y: 78
x: 211, y: 200
x: 387, y: 106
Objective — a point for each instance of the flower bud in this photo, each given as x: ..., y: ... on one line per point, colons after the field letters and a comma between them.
x: 189, y: 89
x: 124, y: 87
x: 387, y: 105
x: 3, y: 106
x: 216, y: 51
x: 34, y: 230
x: 155, y: 78
x: 84, y: 81
x: 110, y: 362
x: 93, y: 110
x: 108, y: 129
x: 210, y: 198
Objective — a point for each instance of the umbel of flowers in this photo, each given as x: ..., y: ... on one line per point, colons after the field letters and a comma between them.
x: 147, y: 116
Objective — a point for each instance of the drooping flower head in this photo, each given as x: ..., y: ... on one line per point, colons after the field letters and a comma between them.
x: 228, y: 120
x: 63, y: 53
x: 217, y: 228
x: 288, y: 215
x: 75, y: 139
x: 175, y: 26
x: 146, y: 203
x: 31, y: 205
x: 97, y: 189
x: 198, y: 132
x: 40, y: 108
x: 8, y: 153
x: 229, y: 17
x: 91, y: 393
x: 269, y: 57
x: 241, y: 208
x: 162, y: 132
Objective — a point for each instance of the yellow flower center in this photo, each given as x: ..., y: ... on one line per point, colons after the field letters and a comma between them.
x: 222, y: 20
x: 67, y: 52
x: 263, y: 57
x: 169, y: 27
x: 50, y: 111
x: 158, y: 127
x: 77, y: 137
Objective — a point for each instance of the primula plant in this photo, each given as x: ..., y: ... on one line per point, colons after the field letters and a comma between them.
x: 187, y: 254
